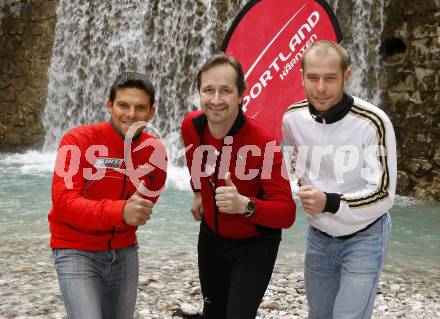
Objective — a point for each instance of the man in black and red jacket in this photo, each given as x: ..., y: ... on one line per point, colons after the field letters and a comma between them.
x: 240, y: 194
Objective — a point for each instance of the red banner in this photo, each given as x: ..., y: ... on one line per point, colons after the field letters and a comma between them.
x: 268, y: 37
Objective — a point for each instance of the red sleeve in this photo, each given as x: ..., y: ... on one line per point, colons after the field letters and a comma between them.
x: 191, y: 141
x: 70, y: 205
x: 277, y: 208
x: 159, y: 160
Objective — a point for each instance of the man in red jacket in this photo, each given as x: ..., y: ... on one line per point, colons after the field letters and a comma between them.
x: 107, y: 178
x: 240, y: 195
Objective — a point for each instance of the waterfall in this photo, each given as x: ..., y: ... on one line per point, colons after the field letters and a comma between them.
x: 334, y: 4
x: 362, y: 39
x: 364, y: 51
x: 95, y: 40
x: 168, y: 40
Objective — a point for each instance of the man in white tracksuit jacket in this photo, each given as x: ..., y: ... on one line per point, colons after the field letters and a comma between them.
x: 343, y: 152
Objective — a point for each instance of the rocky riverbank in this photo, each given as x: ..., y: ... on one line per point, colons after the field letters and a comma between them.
x: 169, y: 287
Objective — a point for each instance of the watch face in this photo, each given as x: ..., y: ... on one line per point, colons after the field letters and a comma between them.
x: 250, y: 207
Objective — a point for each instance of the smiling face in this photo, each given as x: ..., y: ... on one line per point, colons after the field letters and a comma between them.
x: 219, y: 97
x: 130, y: 106
x: 323, y: 79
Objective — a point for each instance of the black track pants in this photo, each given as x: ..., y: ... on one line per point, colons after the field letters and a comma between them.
x: 234, y: 274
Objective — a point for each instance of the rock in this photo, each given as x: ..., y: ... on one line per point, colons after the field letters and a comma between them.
x: 272, y: 305
x: 195, y: 290
x: 417, y: 305
x: 21, y: 33
x: 420, y: 166
x: 156, y: 286
x: 190, y: 310
x: 382, y: 308
x: 394, y: 287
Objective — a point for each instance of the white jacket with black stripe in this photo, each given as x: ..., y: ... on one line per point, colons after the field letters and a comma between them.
x: 350, y: 154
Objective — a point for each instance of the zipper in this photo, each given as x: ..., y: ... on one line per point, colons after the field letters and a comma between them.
x: 213, y: 185
x: 323, y: 144
x: 216, y: 212
x: 120, y: 197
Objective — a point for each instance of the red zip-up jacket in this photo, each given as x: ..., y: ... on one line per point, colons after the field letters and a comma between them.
x: 91, y: 184
x: 259, y: 178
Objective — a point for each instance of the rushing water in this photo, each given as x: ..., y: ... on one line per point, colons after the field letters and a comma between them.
x: 362, y: 42
x: 95, y: 40
x: 168, y: 40
x: 25, y: 194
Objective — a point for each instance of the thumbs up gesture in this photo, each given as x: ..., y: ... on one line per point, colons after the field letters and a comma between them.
x: 137, y: 209
x: 228, y: 199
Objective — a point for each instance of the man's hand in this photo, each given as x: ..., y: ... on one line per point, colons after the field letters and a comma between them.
x: 137, y: 210
x: 228, y: 199
x: 197, y: 209
x: 312, y: 199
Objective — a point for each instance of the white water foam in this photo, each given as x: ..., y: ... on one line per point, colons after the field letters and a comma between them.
x: 43, y: 163
x: 406, y: 201
x: 29, y: 163
x: 94, y: 41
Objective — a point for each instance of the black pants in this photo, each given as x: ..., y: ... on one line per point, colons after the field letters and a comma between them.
x: 234, y: 274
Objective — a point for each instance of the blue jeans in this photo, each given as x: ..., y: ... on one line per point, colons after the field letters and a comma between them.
x: 99, y: 284
x: 341, y: 275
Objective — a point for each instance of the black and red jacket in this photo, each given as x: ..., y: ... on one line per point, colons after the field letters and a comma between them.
x: 252, y: 149
x: 92, y: 183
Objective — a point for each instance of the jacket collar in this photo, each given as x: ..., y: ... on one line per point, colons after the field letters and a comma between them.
x: 336, y: 113
x: 135, y: 138
x: 201, y: 121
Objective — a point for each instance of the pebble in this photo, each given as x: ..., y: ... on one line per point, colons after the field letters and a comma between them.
x: 190, y: 310
x: 271, y: 305
x: 169, y: 287
x: 394, y: 288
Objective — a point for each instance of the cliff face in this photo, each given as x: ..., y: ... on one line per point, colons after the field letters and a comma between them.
x: 410, y: 80
x: 409, y: 76
x: 26, y: 40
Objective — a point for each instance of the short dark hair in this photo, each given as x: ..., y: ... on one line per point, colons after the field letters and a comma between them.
x: 132, y: 80
x: 221, y: 58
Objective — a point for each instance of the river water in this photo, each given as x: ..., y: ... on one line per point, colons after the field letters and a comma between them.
x: 25, y: 200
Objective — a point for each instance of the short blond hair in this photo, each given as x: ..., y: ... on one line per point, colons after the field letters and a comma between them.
x: 322, y: 47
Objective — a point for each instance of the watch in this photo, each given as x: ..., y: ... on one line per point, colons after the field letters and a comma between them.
x: 250, y: 208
